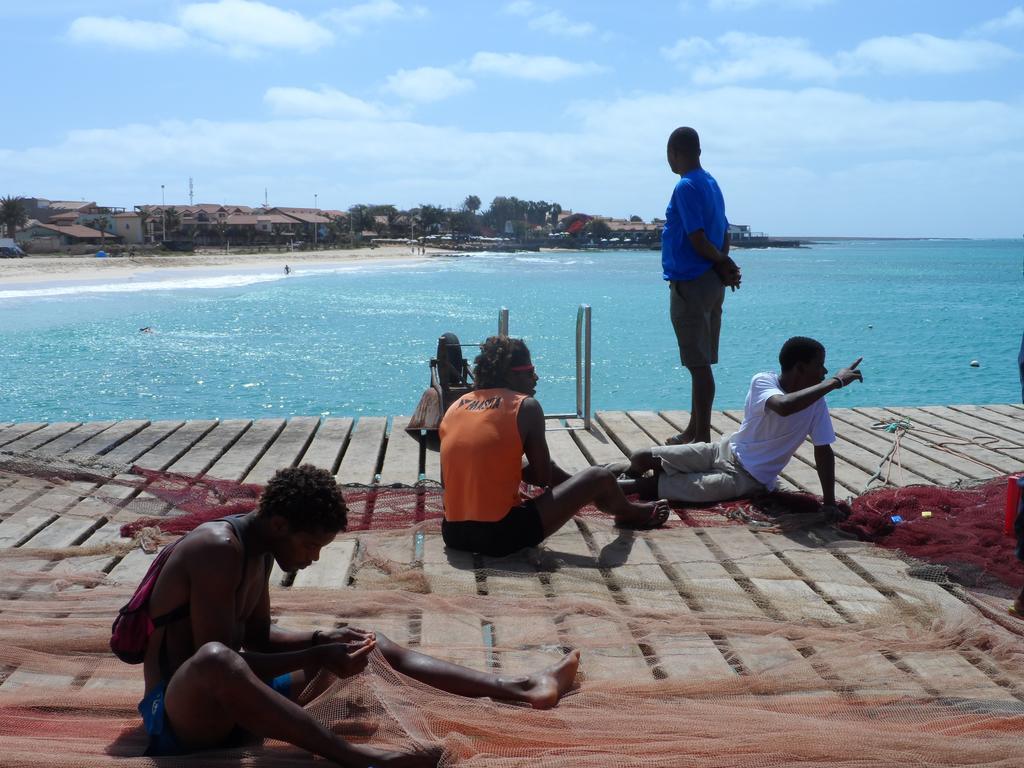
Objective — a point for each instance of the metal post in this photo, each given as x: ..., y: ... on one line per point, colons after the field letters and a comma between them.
x: 503, y: 322
x: 589, y: 367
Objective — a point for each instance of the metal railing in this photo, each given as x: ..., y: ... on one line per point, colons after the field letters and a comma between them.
x: 584, y: 365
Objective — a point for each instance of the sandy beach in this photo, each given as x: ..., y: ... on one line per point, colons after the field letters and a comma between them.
x: 49, y: 269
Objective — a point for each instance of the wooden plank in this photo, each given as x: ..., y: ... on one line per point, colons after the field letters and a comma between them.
x: 919, y: 444
x: 432, y: 465
x: 623, y: 431
x: 654, y: 426
x: 105, y: 441
x: 451, y: 635
x: 75, y: 437
x: 247, y: 450
x: 286, y: 449
x: 962, y: 437
x: 202, y: 455
x: 176, y: 445
x: 23, y: 525
x: 578, y: 578
x: 596, y: 445
x: 330, y: 437
x: 12, y: 433
x: 953, y: 675
x: 705, y: 582
x: 359, y: 464
x: 333, y: 568
x: 34, y: 440
x: 857, y: 429
x: 402, y: 457
x: 990, y: 422
x: 109, y: 533
x: 143, y: 442
x: 845, y: 588
x: 751, y: 557
x: 565, y: 452
x: 131, y: 568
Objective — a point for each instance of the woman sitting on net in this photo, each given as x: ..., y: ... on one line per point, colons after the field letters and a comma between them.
x: 484, y: 437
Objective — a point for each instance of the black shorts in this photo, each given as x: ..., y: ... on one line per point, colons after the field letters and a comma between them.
x: 520, y: 528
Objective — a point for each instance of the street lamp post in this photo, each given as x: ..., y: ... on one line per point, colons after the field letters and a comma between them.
x: 316, y: 212
x: 163, y: 214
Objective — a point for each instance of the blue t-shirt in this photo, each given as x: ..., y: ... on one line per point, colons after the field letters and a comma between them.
x: 696, y: 203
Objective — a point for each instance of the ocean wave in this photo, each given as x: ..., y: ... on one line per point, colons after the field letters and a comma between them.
x: 180, y: 282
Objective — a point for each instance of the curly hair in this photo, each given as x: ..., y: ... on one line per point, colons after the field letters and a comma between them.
x: 307, y: 497
x: 497, y: 355
x: 799, y: 349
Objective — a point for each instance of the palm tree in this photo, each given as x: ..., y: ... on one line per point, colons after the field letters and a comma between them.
x: 172, y: 220
x: 13, y: 214
x: 101, y: 224
x: 471, y: 203
x: 221, y: 227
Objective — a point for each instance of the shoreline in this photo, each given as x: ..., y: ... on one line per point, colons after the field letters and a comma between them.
x: 35, y: 271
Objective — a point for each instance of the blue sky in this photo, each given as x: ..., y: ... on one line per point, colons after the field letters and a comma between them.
x: 817, y: 117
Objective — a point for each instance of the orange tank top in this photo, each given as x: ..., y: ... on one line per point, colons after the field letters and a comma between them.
x: 481, y: 455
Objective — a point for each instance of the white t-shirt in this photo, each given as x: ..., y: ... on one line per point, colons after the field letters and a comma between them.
x: 766, y: 441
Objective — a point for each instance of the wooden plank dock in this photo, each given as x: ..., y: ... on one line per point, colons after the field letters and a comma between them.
x: 728, y: 571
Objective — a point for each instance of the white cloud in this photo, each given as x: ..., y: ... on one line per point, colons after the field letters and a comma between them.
x: 126, y: 33
x: 750, y: 57
x: 356, y: 18
x: 737, y: 57
x: 244, y: 27
x: 926, y: 54
x: 549, y: 20
x: 426, y: 84
x: 326, y: 102
x: 688, y: 48
x: 789, y: 160
x: 518, y: 65
x: 521, y: 7
x: 746, y: 5
x: 1014, y: 19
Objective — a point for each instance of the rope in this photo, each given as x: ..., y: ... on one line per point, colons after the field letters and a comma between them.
x: 903, y: 427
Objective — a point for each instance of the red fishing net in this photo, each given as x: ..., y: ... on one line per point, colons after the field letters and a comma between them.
x: 958, y: 528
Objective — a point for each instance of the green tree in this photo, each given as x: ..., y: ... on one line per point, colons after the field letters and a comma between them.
x: 597, y: 229
x: 171, y: 221
x: 432, y: 217
x: 471, y: 204
x: 101, y: 223
x: 360, y: 217
x: 636, y: 219
x: 221, y: 227
x: 13, y: 214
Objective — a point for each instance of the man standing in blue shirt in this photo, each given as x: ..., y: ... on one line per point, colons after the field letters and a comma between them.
x: 695, y: 262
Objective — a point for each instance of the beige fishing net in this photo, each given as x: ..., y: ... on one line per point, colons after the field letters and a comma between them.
x: 701, y: 646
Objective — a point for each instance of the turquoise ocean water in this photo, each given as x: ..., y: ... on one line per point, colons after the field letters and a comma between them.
x: 355, y: 340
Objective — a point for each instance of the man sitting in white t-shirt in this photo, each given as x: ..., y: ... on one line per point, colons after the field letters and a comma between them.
x: 780, y: 412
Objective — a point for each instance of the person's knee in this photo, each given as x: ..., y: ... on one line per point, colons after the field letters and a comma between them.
x: 600, y: 478
x: 642, y: 460
x: 218, y: 666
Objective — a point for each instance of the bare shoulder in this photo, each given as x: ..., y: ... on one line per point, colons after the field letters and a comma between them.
x: 213, y: 549
x: 531, y: 407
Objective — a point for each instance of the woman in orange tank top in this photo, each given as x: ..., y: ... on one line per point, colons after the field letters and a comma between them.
x: 484, y: 437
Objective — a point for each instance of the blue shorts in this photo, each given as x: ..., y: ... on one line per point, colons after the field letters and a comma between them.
x: 162, y: 741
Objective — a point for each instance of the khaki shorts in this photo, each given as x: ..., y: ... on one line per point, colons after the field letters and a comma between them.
x: 696, y: 310
x: 703, y: 472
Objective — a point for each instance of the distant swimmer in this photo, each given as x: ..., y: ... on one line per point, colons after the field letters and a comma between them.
x: 287, y: 269
x: 147, y: 329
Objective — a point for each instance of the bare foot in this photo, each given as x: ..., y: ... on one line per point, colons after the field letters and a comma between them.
x: 682, y: 438
x: 544, y: 689
x: 1017, y: 609
x: 645, y: 516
